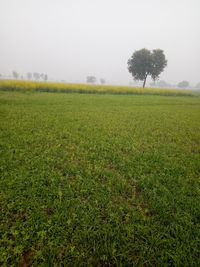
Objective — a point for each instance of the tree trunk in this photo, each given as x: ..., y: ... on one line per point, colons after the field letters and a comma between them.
x: 144, y: 81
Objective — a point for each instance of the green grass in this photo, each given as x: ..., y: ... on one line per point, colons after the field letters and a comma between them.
x: 99, y: 180
x: 31, y: 86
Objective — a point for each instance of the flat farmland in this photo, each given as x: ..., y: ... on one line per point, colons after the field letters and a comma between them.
x: 99, y: 180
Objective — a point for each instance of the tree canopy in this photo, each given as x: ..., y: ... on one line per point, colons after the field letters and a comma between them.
x: 145, y: 62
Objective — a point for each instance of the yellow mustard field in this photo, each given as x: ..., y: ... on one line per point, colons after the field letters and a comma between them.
x: 19, y: 85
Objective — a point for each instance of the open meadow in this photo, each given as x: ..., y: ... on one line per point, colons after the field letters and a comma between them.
x: 99, y: 179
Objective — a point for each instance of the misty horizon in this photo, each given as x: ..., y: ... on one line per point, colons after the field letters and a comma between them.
x: 70, y: 40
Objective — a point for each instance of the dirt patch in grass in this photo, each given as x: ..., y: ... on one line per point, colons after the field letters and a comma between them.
x: 27, y: 258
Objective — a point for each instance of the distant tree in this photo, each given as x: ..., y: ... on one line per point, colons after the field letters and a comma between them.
x: 91, y: 79
x: 36, y: 76
x: 15, y: 75
x: 22, y: 77
x: 45, y: 77
x: 145, y: 62
x: 163, y: 84
x: 183, y: 84
x: 42, y: 76
x: 102, y: 81
x: 29, y: 75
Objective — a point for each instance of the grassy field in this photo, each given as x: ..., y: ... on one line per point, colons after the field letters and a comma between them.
x: 99, y: 180
x: 10, y: 85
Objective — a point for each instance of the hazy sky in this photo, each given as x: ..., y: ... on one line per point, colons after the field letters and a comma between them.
x: 70, y: 39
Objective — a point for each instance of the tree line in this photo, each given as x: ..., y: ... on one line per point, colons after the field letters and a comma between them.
x: 29, y: 76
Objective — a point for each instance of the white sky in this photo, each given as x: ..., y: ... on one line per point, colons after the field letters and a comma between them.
x: 70, y: 39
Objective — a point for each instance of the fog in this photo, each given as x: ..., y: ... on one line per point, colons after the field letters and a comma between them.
x: 70, y: 39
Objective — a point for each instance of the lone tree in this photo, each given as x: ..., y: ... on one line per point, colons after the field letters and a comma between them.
x: 145, y: 62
